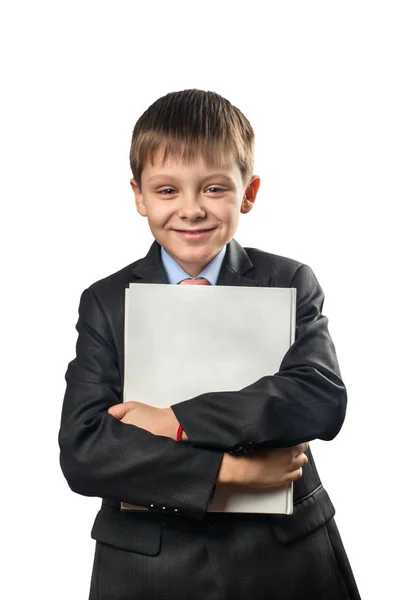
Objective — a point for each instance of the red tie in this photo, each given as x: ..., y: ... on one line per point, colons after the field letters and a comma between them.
x: 201, y: 281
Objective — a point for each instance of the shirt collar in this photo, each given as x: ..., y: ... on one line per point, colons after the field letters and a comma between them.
x: 175, y: 273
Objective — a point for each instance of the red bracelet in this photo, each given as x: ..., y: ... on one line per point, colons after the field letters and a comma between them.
x: 179, y: 434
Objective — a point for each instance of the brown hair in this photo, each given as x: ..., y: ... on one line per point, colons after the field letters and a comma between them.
x: 190, y: 123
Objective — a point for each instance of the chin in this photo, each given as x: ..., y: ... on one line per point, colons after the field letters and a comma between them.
x: 200, y: 254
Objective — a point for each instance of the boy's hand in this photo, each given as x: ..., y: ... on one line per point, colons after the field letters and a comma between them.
x: 159, y: 421
x: 268, y: 468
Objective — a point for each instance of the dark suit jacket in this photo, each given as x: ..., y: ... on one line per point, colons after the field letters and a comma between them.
x: 101, y: 456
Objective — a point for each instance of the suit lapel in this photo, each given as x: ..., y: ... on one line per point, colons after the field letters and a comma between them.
x: 235, y: 266
x: 150, y: 268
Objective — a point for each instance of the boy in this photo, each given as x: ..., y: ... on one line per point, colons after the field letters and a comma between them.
x: 192, y: 163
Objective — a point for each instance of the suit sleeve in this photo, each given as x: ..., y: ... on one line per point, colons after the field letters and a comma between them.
x: 305, y: 400
x: 100, y: 456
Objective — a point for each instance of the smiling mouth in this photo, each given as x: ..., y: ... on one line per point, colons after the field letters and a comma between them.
x: 194, y: 230
x: 195, y: 235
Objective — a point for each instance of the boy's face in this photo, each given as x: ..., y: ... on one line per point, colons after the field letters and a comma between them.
x: 193, y: 209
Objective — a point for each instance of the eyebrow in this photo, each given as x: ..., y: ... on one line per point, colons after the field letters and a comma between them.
x: 155, y: 178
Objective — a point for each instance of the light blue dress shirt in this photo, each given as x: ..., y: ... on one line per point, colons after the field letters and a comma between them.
x: 175, y: 273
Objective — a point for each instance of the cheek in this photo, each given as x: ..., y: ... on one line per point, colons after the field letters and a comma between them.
x: 229, y: 214
x: 159, y: 214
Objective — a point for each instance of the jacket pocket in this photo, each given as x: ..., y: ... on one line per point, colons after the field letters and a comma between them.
x: 132, y: 532
x: 310, y: 513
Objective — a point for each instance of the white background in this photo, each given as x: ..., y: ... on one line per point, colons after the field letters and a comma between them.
x: 317, y: 80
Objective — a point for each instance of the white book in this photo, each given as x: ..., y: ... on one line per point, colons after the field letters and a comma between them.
x: 183, y: 341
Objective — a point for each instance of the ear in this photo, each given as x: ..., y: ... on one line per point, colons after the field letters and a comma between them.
x: 250, y: 195
x: 139, y: 202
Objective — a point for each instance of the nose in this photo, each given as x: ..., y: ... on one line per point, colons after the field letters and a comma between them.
x: 191, y: 208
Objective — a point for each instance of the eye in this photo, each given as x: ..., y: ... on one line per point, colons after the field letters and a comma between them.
x: 167, y: 192
x: 215, y: 190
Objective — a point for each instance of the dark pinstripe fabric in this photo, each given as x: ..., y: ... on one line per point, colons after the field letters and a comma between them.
x: 232, y: 558
x: 194, y: 555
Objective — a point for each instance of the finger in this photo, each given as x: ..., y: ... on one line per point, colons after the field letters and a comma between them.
x: 293, y: 475
x: 300, y: 448
x: 119, y: 410
x: 300, y: 461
